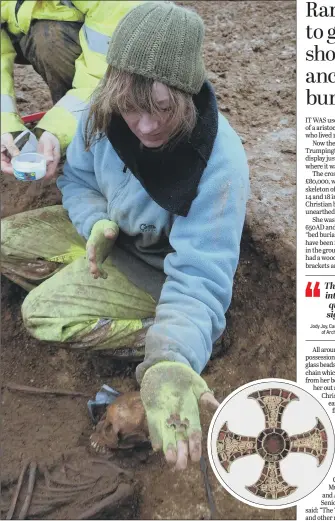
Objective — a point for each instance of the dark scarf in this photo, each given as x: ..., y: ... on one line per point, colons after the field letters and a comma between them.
x: 171, y: 176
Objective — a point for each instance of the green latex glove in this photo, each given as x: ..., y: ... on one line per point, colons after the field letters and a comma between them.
x: 100, y: 243
x: 171, y: 393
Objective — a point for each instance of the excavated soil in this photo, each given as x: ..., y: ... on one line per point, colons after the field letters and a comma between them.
x: 250, y: 53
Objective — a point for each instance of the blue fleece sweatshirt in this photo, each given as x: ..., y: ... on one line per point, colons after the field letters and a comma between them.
x: 190, y: 314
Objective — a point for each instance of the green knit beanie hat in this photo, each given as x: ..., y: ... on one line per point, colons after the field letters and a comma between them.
x: 161, y: 41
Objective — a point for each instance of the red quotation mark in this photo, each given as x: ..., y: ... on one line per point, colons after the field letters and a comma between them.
x: 312, y: 293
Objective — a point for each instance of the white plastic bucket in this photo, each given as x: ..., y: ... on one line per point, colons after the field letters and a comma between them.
x: 29, y: 166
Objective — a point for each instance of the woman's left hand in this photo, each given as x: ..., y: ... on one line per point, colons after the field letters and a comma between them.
x: 171, y: 393
x: 49, y: 146
x: 100, y: 243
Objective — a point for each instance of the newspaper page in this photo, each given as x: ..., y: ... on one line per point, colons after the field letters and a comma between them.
x: 316, y: 225
x: 75, y: 436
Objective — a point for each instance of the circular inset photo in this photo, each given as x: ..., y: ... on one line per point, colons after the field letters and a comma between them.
x: 270, y: 443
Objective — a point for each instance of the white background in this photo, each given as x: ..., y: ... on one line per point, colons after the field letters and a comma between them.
x: 245, y: 417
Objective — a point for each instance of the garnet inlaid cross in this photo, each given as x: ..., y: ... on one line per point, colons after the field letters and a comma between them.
x: 273, y: 444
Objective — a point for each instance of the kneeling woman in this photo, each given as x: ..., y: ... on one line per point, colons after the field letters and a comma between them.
x: 143, y: 253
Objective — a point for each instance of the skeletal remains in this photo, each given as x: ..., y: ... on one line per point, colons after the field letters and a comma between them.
x: 123, y: 426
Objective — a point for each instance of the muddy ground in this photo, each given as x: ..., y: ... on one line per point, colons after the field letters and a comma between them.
x: 250, y: 53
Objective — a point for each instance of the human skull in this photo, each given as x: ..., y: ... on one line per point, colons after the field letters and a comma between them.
x: 123, y: 426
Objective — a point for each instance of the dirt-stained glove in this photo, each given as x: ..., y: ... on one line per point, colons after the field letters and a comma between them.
x: 171, y: 393
x: 100, y: 243
x: 8, y: 150
x: 49, y: 146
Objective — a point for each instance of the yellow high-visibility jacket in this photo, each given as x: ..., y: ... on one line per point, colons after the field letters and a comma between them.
x: 99, y: 18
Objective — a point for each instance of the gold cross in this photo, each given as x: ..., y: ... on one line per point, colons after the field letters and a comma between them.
x: 273, y: 444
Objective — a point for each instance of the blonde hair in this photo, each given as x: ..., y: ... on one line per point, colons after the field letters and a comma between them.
x: 121, y: 91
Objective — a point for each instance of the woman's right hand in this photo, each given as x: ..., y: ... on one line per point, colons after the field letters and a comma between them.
x: 8, y: 150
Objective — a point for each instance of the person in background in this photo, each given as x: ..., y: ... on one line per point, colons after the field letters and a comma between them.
x: 66, y: 43
x: 140, y: 259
